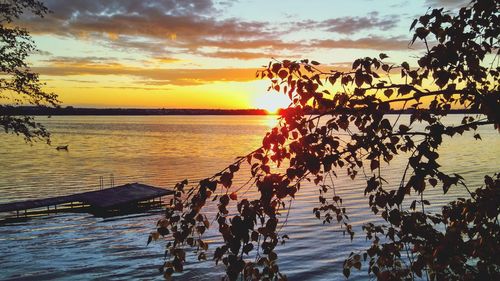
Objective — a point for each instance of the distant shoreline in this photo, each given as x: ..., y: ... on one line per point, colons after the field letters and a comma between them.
x: 65, y: 111
x: 82, y: 111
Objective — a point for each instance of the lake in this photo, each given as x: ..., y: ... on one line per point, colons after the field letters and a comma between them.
x: 160, y: 151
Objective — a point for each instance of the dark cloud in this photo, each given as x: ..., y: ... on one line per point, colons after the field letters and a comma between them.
x: 450, y: 4
x: 154, y: 46
x: 42, y: 53
x: 160, y: 28
x: 170, y: 27
x: 271, y: 43
x: 372, y: 43
x: 447, y: 2
x: 351, y: 25
x: 182, y: 20
x: 64, y: 9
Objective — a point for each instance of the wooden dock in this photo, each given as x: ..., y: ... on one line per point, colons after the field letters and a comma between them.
x: 128, y: 198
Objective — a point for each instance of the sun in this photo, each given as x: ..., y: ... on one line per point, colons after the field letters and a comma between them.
x: 271, y: 102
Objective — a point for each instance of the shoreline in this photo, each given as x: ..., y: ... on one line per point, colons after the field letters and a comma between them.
x: 82, y: 111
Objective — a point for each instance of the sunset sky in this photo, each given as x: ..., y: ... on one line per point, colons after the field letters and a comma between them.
x: 204, y: 53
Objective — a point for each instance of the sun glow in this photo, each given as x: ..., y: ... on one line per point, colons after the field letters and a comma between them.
x: 271, y: 102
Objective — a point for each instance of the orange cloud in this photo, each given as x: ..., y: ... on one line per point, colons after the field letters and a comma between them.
x: 163, y: 76
x: 166, y: 59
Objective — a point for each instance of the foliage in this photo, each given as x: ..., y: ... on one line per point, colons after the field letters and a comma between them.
x: 460, y: 243
x: 18, y: 84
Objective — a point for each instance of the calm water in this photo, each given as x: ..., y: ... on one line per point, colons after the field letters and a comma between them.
x: 162, y: 151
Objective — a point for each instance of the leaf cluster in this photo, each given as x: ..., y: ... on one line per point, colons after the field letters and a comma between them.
x: 19, y: 85
x: 338, y: 125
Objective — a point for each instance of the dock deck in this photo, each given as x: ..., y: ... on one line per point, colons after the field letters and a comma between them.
x: 120, y: 198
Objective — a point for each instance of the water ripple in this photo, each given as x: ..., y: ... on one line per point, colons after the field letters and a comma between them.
x: 162, y: 151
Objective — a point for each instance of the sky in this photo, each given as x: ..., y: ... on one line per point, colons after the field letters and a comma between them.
x: 204, y: 53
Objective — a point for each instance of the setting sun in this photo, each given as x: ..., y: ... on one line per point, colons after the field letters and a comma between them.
x: 271, y: 102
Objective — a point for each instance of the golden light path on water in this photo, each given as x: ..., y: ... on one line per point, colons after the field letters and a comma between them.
x: 162, y: 150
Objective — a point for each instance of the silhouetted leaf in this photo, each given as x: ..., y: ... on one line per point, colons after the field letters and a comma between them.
x: 413, y: 24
